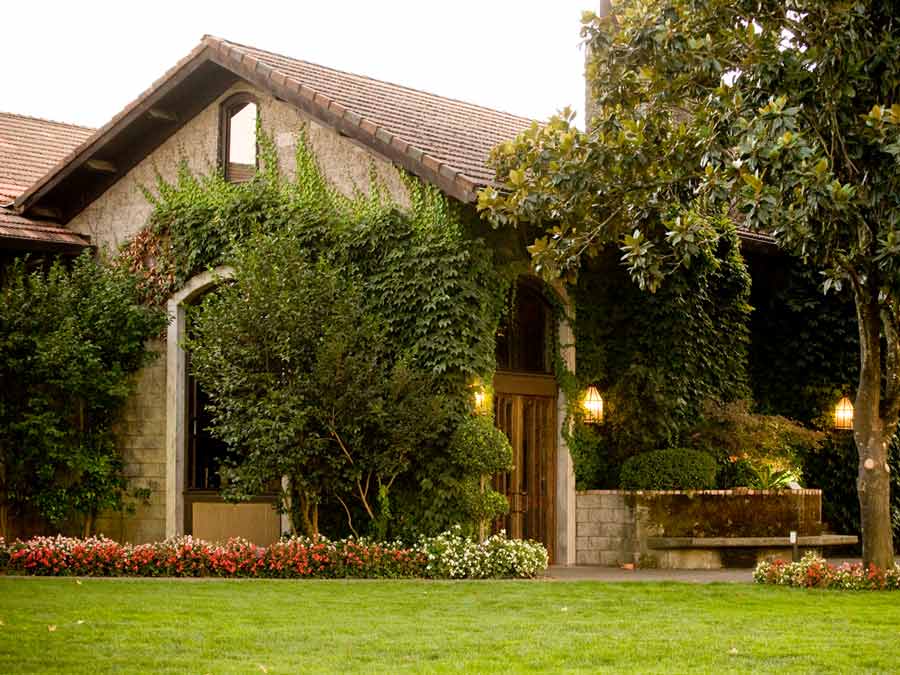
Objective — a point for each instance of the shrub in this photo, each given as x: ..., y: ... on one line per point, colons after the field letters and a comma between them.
x: 751, y: 448
x: 735, y: 472
x: 72, y: 336
x: 453, y: 556
x: 449, y: 555
x: 483, y: 450
x: 814, y: 572
x: 670, y: 469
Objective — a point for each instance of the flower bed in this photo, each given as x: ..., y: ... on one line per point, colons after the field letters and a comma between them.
x: 814, y: 572
x: 449, y: 555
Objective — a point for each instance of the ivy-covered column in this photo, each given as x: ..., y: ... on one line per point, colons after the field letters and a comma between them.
x: 565, y: 470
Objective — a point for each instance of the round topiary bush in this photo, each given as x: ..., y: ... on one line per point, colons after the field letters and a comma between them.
x: 670, y: 469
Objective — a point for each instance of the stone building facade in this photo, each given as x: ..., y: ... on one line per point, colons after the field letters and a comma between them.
x: 95, y: 194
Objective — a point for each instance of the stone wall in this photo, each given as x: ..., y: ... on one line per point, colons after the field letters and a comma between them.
x: 604, y: 528
x: 122, y: 210
x: 141, y: 433
x: 612, y: 526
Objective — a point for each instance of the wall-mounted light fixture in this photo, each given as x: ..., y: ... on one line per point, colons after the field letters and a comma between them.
x: 481, y: 398
x: 593, y: 406
x: 843, y: 414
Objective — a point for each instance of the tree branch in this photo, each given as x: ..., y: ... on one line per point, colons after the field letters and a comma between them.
x: 349, y: 517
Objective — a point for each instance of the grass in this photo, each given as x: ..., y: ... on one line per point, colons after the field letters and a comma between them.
x: 254, y: 626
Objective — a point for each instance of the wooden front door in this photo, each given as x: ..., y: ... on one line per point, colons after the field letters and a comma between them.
x: 525, y: 410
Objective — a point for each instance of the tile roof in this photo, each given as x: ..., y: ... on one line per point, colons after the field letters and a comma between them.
x: 455, y: 133
x: 29, y: 147
x: 28, y: 233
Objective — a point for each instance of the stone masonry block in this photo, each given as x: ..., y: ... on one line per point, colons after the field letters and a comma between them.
x: 601, y: 515
x: 612, y: 501
x: 583, y: 543
x: 599, y: 543
x: 615, y: 530
x: 587, y: 557
x: 589, y: 501
x: 589, y: 530
x: 582, y: 515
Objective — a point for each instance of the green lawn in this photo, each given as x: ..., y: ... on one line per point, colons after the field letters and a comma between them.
x: 218, y: 626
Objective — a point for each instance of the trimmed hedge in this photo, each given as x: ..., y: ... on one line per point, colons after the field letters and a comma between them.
x: 449, y: 555
x: 670, y: 469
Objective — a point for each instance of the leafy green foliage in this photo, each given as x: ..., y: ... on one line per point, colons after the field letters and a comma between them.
x: 70, y: 340
x: 669, y: 469
x: 658, y: 358
x: 779, y: 116
x: 482, y: 450
x: 804, y: 350
x: 349, y: 336
x: 767, y: 443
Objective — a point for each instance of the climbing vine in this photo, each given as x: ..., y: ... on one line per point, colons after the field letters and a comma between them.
x: 658, y: 358
x: 424, y: 277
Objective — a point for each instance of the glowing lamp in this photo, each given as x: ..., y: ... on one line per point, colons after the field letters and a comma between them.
x: 843, y: 414
x: 593, y: 406
x: 481, y: 398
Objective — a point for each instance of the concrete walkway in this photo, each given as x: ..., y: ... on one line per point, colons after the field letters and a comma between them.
x: 618, y: 575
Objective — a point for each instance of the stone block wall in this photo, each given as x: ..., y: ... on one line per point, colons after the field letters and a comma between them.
x: 141, y: 434
x: 604, y: 528
x: 612, y: 526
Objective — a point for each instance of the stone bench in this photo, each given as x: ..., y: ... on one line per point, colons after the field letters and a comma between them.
x: 714, y: 552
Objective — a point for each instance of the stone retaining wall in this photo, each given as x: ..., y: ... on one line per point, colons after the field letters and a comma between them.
x: 612, y: 526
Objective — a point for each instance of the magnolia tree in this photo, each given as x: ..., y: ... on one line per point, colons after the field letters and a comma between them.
x: 774, y: 116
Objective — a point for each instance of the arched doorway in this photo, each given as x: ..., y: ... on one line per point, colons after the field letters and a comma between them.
x: 193, y: 503
x: 525, y: 409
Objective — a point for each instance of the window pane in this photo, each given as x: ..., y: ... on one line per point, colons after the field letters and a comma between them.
x: 522, y: 340
x: 242, y: 136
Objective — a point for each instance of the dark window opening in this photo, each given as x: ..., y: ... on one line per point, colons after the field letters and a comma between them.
x: 522, y: 340
x: 205, y: 452
x: 238, y: 148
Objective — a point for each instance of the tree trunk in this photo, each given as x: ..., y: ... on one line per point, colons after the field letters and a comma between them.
x: 88, y: 525
x: 872, y: 433
x: 4, y: 504
x: 4, y: 521
x: 874, y: 487
x: 482, y: 521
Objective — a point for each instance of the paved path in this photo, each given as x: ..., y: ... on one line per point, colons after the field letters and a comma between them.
x: 616, y: 575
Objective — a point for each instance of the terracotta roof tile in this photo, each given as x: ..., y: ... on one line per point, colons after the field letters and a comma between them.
x: 455, y: 133
x: 29, y: 147
x: 29, y: 232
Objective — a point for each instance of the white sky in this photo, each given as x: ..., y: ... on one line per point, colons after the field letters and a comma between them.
x: 82, y: 62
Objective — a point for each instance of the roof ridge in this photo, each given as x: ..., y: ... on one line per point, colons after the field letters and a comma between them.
x: 49, y: 121
x: 240, y: 45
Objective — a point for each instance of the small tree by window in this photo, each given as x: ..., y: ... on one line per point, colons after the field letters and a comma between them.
x: 237, y: 142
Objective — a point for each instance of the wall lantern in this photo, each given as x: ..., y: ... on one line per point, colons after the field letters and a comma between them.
x: 481, y: 397
x: 593, y: 406
x: 843, y: 414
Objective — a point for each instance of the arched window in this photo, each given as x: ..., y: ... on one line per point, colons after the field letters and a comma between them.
x: 237, y: 137
x: 523, y: 341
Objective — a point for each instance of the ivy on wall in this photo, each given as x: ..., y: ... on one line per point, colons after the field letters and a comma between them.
x: 658, y: 358
x: 424, y: 276
x: 804, y: 352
